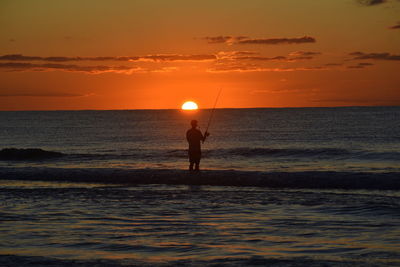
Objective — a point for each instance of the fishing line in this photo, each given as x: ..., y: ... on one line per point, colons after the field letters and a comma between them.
x: 212, y: 113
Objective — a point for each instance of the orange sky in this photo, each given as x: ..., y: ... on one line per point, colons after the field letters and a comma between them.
x: 146, y: 54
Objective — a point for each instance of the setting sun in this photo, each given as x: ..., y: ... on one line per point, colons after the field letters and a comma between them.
x: 189, y: 105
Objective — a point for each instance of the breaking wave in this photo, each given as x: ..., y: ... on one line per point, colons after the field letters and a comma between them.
x: 316, y: 153
x: 302, y: 179
x: 28, y: 154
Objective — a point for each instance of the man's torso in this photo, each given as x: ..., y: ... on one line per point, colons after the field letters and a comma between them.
x: 194, y: 137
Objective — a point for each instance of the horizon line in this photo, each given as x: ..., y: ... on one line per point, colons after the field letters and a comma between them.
x: 150, y: 109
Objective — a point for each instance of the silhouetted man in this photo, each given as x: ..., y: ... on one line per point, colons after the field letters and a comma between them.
x: 194, y: 136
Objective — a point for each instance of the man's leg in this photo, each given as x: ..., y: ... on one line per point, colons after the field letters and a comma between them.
x: 197, y: 165
x: 191, y: 161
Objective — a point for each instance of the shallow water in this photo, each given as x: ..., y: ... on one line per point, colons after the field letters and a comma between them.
x: 156, y: 223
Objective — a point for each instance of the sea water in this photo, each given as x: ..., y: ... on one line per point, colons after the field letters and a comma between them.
x: 60, y: 222
x: 365, y: 139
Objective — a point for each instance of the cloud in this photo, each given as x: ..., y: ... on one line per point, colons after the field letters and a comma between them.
x: 361, y: 65
x: 17, y: 66
x: 266, y: 41
x: 395, y: 27
x: 374, y: 56
x: 276, y: 41
x: 234, y: 54
x: 249, y: 61
x: 42, y: 94
x: 249, y: 55
x: 19, y: 62
x: 371, y: 2
x: 224, y: 68
x: 260, y: 58
x: 277, y: 58
x: 304, y: 53
x: 19, y: 57
x: 224, y: 39
x: 236, y: 66
x: 374, y: 2
x: 333, y: 64
x: 155, y: 58
x: 244, y: 53
x: 365, y: 64
x: 355, y: 67
x: 175, y: 57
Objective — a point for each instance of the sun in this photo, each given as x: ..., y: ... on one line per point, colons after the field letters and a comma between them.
x: 189, y: 105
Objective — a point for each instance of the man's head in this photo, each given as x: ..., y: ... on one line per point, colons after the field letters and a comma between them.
x: 193, y: 123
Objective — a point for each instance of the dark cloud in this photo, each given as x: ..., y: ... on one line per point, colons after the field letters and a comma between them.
x: 218, y: 39
x: 374, y: 56
x: 355, y: 67
x: 247, y: 55
x: 41, y: 94
x: 299, y: 58
x: 18, y: 66
x: 266, y: 41
x: 161, y: 57
x: 177, y: 57
x: 365, y: 64
x: 19, y: 57
x: 360, y: 65
x: 277, y: 58
x: 14, y: 66
x: 238, y: 67
x: 333, y: 64
x: 19, y: 62
x: 276, y: 41
x: 260, y: 58
x: 395, y: 27
x: 224, y: 39
x: 304, y: 53
x: 371, y: 2
x: 232, y: 54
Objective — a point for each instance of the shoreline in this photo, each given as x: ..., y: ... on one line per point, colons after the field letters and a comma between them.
x: 306, y: 179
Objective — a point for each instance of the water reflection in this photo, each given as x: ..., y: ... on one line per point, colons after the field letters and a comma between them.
x: 166, y: 223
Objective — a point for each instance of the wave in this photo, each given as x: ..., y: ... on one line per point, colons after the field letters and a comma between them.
x: 19, y: 260
x: 282, y: 152
x: 306, y: 179
x: 28, y: 154
x: 245, y: 152
x: 297, y: 153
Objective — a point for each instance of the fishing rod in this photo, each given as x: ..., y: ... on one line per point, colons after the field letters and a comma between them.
x: 211, y: 115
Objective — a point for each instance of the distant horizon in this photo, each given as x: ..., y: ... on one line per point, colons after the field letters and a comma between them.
x: 193, y: 111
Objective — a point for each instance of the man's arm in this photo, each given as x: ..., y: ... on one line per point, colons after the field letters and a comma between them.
x: 187, y: 136
x: 203, y: 137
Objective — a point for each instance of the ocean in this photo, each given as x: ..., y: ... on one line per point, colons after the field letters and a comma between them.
x: 279, y: 187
